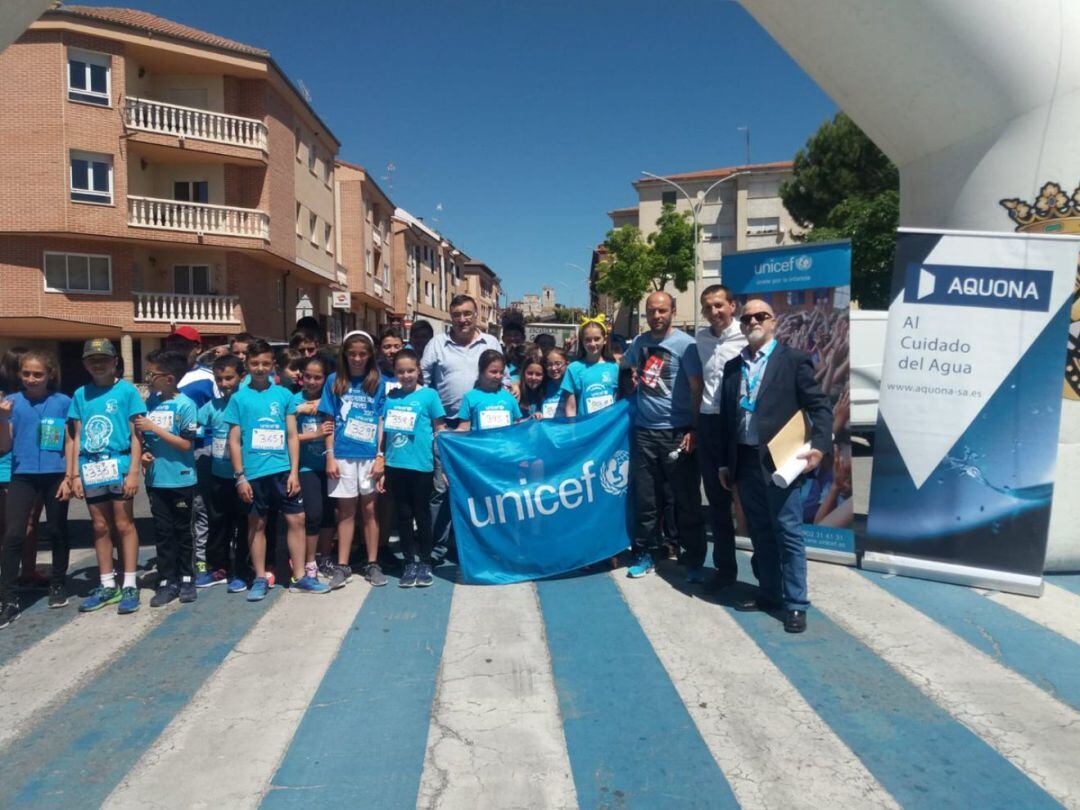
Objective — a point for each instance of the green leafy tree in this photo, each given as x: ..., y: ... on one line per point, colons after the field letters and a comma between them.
x: 564, y: 314
x: 844, y: 187
x: 673, y: 249
x: 633, y: 266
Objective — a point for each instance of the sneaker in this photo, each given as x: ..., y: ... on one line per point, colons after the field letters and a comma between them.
x: 326, y: 566
x: 641, y: 566
x: 188, y: 594
x: 408, y: 579
x: 58, y: 595
x: 374, y: 575
x: 164, y: 594
x: 208, y: 579
x: 99, y: 598
x: 9, y: 612
x: 129, y: 601
x: 237, y: 585
x: 258, y: 589
x: 423, y: 576
x: 339, y: 576
x: 201, y: 567
x: 695, y: 575
x: 308, y: 584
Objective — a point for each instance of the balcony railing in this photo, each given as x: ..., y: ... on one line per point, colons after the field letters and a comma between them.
x: 188, y: 122
x: 174, y: 215
x: 176, y: 307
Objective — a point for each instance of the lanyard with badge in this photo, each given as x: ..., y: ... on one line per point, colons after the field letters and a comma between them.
x: 748, y: 402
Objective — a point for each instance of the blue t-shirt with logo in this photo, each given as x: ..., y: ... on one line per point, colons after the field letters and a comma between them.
x: 172, y: 468
x: 553, y: 403
x: 592, y: 384
x: 664, y: 368
x: 263, y: 429
x: 408, y: 421
x: 216, y: 436
x: 356, y: 418
x: 313, y: 452
x: 105, y: 415
x: 484, y: 410
x: 38, y: 428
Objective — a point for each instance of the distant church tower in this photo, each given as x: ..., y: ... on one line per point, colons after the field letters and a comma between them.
x: 547, y: 299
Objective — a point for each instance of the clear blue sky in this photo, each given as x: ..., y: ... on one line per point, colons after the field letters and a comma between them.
x: 528, y: 122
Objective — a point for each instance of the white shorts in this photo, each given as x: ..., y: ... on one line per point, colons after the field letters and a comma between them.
x: 355, y: 478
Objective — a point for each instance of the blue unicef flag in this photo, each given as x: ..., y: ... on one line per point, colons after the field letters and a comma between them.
x: 539, y: 498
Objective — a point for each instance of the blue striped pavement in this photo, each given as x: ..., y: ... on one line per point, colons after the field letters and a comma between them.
x: 1070, y: 582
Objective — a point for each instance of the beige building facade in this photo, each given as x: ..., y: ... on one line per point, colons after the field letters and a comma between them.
x: 486, y: 287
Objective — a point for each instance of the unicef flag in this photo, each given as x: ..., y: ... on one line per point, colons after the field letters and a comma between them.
x: 539, y: 498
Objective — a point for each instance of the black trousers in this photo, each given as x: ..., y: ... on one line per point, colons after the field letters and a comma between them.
x: 652, y: 468
x: 723, y: 526
x: 318, y: 505
x: 23, y: 492
x: 171, y: 512
x: 411, y: 490
x: 226, y: 545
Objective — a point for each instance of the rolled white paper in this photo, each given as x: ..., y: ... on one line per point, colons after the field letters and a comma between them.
x: 791, y: 470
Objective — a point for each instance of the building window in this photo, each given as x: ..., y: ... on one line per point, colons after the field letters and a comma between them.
x: 328, y: 235
x: 91, y: 177
x: 192, y: 279
x: 299, y: 221
x: 299, y: 142
x: 386, y: 273
x: 88, y: 77
x: 667, y: 198
x: 196, y: 191
x: 78, y: 272
x: 313, y: 228
x: 312, y: 156
x: 327, y: 171
x: 759, y: 226
x: 367, y: 262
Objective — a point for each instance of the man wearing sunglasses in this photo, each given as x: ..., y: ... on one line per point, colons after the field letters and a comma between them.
x: 762, y: 389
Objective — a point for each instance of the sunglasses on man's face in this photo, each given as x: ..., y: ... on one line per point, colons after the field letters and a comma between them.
x: 760, y: 317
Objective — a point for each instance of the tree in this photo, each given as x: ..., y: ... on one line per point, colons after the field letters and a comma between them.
x: 844, y: 187
x: 633, y: 266
x: 565, y: 314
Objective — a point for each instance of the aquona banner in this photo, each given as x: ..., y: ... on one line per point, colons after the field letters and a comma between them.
x: 539, y: 498
x: 966, y: 441
x: 809, y: 289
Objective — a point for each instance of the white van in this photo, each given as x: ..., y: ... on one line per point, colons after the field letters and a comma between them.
x: 867, y: 349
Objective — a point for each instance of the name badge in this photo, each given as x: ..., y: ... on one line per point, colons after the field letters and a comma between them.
x: 51, y: 433
x: 747, y: 405
x: 360, y: 430
x: 267, y: 439
x: 402, y: 420
x: 494, y: 418
x: 103, y: 473
x: 549, y: 409
x: 598, y: 402
x: 163, y: 419
x: 219, y: 447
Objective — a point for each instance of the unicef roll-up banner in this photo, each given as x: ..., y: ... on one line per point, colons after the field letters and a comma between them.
x: 809, y: 289
x: 539, y: 498
x: 967, y: 431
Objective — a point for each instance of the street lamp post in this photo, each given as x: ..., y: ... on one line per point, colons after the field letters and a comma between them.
x: 695, y: 209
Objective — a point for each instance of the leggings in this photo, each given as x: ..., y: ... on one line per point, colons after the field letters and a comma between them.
x: 318, y: 506
x: 411, y: 490
x: 23, y: 492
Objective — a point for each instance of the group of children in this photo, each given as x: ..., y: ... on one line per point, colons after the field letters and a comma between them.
x: 309, y: 437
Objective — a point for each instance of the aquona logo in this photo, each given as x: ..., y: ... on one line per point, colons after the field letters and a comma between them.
x: 986, y: 287
x: 998, y: 288
x: 528, y: 503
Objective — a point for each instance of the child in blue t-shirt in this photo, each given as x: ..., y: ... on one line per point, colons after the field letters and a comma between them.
x: 592, y: 380
x: 102, y: 415
x: 554, y: 402
x: 411, y: 418
x: 312, y: 429
x: 169, y: 429
x: 265, y: 454
x: 226, y: 544
x: 489, y: 405
x: 34, y: 436
x: 390, y: 343
x: 531, y: 389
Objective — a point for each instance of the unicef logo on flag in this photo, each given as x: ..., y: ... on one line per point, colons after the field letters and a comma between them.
x: 615, y: 474
x: 803, y: 263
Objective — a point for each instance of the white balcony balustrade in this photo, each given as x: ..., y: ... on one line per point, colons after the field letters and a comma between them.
x: 201, y: 218
x: 164, y: 307
x: 188, y: 122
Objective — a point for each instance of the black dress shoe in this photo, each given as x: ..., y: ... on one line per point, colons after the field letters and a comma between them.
x: 795, y: 621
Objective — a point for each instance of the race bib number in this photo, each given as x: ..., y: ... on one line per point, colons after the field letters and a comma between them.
x: 494, y: 418
x: 219, y: 448
x: 101, y: 473
x: 360, y: 430
x: 402, y: 420
x: 599, y: 402
x: 163, y: 419
x: 51, y: 433
x: 267, y: 439
x: 549, y: 409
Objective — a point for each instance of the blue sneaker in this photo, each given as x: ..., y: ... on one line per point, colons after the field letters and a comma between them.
x: 208, y: 579
x: 408, y: 579
x: 99, y: 598
x: 237, y: 585
x: 642, y: 566
x: 308, y: 584
x: 258, y: 589
x: 695, y: 575
x: 129, y: 601
x: 423, y: 576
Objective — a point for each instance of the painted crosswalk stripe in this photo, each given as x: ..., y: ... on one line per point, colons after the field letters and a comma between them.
x: 496, y: 736
x: 1023, y: 723
x: 1070, y: 582
x: 362, y: 740
x: 96, y: 736
x: 913, y: 747
x: 229, y: 739
x: 1057, y: 609
x: 631, y: 741
x: 1044, y: 657
x: 759, y: 728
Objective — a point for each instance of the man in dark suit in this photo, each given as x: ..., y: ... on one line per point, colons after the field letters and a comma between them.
x: 763, y: 388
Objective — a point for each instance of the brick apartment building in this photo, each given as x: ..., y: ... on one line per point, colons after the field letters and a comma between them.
x: 428, y: 271
x: 483, y: 285
x: 157, y: 175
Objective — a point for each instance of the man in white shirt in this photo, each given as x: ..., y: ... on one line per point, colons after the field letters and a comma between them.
x: 717, y: 343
